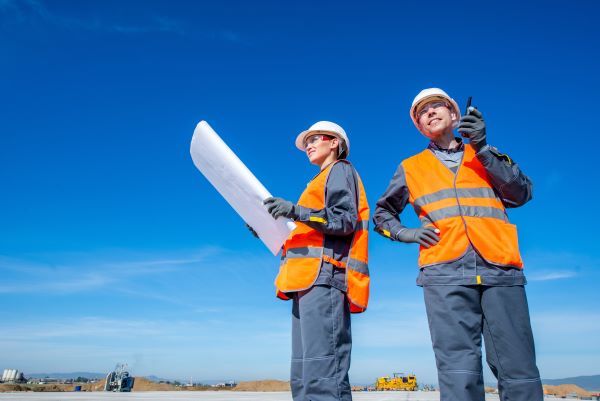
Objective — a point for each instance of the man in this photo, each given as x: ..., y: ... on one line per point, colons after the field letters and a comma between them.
x: 470, y: 266
x: 324, y: 267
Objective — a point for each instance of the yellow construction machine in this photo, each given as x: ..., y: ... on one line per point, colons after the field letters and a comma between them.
x: 399, y: 382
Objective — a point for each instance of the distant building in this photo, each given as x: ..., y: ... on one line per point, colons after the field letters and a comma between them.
x: 12, y: 376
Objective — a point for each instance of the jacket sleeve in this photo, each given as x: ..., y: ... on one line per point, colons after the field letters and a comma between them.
x: 513, y: 186
x: 390, y: 205
x: 340, y: 215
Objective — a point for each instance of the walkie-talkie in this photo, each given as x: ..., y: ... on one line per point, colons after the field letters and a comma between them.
x: 463, y: 134
x: 468, y: 105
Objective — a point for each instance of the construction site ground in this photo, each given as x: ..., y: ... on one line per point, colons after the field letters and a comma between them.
x: 220, y: 396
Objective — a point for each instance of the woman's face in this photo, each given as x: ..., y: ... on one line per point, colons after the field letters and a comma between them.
x: 319, y: 146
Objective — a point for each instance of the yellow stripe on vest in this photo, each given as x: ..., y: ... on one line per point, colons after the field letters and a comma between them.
x: 318, y: 219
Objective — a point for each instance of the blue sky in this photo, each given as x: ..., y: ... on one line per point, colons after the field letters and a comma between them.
x: 114, y: 248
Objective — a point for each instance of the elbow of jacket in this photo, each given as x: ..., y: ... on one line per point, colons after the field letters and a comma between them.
x: 340, y: 228
x: 517, y: 202
x: 527, y: 196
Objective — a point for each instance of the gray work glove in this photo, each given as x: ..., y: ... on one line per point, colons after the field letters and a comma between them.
x: 472, y: 126
x: 252, y: 230
x: 279, y: 207
x: 426, y: 236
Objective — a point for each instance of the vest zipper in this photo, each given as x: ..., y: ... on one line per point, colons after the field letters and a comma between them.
x: 462, y: 217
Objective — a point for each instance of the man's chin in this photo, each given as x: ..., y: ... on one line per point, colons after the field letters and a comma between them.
x: 433, y: 135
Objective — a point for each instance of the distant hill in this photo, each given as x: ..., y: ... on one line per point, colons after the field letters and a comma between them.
x: 71, y: 375
x: 590, y: 383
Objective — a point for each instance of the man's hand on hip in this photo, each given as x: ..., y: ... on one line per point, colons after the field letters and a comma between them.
x: 426, y: 236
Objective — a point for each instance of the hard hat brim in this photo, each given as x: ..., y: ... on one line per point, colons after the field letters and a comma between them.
x: 426, y: 99
x: 300, y: 139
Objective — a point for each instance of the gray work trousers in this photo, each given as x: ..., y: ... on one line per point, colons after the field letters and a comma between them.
x: 458, y: 315
x: 321, y: 345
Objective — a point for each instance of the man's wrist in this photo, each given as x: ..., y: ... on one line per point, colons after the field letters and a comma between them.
x: 481, y: 148
x: 300, y: 213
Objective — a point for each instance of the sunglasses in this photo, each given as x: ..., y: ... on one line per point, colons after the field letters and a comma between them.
x: 311, y: 140
x: 431, y: 105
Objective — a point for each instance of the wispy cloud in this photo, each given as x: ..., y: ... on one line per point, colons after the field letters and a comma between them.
x: 32, y: 11
x: 149, y: 345
x: 80, y: 272
x: 36, y: 13
x: 155, y: 24
x: 392, y: 322
x: 134, y: 328
x: 570, y: 336
x: 544, y: 265
x: 551, y: 275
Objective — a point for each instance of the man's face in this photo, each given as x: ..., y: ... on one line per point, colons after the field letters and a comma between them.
x: 319, y: 146
x: 435, y: 118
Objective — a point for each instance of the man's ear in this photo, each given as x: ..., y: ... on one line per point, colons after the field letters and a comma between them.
x: 453, y: 115
x: 335, y: 142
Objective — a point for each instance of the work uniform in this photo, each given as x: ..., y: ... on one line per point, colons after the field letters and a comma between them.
x: 324, y: 271
x: 472, y: 279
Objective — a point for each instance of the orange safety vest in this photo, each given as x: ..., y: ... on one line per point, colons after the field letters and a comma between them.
x: 464, y: 207
x: 303, y: 251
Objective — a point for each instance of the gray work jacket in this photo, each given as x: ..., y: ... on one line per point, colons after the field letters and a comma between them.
x: 341, y: 217
x: 512, y: 187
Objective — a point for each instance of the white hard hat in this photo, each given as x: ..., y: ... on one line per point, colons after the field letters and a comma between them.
x: 429, y: 94
x: 328, y: 127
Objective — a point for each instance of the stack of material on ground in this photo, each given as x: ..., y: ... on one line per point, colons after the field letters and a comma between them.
x: 564, y: 390
x: 263, y: 385
x: 144, y: 384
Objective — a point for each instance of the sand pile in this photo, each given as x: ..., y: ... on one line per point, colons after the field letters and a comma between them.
x: 564, y: 389
x: 35, y: 387
x: 143, y: 384
x: 140, y: 384
x: 98, y: 386
x: 263, y: 385
x: 13, y: 387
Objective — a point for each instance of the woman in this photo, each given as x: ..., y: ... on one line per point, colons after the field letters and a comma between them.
x: 324, y: 267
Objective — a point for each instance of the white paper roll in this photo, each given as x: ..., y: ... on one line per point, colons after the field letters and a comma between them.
x: 236, y: 183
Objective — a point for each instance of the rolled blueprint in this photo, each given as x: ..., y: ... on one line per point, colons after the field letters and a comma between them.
x: 240, y: 188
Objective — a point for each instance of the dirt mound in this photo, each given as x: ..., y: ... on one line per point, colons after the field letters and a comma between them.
x: 35, y: 387
x: 98, y: 386
x: 263, y: 385
x: 564, y: 389
x: 13, y: 387
x: 140, y: 384
x: 143, y: 384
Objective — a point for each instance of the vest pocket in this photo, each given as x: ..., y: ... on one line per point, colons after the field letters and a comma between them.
x: 497, y: 242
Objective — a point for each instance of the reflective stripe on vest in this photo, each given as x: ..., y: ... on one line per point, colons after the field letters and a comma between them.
x: 303, y: 252
x: 464, y: 207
